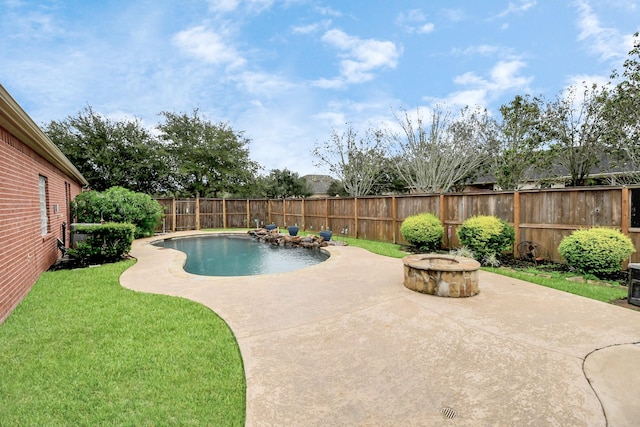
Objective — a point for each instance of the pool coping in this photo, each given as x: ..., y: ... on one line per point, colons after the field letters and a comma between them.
x: 344, y: 343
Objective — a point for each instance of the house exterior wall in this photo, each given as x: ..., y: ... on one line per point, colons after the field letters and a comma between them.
x: 24, y: 251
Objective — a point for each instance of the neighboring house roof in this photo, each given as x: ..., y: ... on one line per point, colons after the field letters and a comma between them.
x: 15, y: 120
x: 604, y: 168
x: 318, y: 184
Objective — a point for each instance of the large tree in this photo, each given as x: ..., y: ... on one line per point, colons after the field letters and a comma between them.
x: 356, y: 160
x: 576, y: 125
x: 280, y: 184
x: 437, y: 153
x: 623, y: 112
x: 112, y: 153
x: 518, y: 141
x: 211, y: 160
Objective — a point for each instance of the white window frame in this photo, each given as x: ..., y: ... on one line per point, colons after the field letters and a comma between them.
x: 44, y: 214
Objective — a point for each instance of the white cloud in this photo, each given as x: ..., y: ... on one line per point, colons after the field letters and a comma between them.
x: 607, y: 43
x: 208, y: 46
x: 258, y: 6
x: 360, y: 58
x: 414, y: 21
x: 516, y: 8
x: 327, y: 11
x: 263, y: 84
x: 483, y: 49
x: 335, y: 83
x: 588, y: 79
x: 311, y: 28
x: 453, y: 15
x: 426, y: 28
x: 223, y: 5
x: 502, y: 78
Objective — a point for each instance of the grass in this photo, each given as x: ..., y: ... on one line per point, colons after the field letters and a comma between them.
x: 380, y: 248
x: 601, y: 291
x: 81, y: 350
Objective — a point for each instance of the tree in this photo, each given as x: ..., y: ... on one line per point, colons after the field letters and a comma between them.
x: 389, y: 180
x: 211, y: 159
x: 623, y: 112
x: 518, y: 141
x: 117, y: 204
x: 439, y: 154
x: 280, y: 184
x: 576, y: 126
x: 112, y: 153
x: 336, y: 189
x: 354, y: 160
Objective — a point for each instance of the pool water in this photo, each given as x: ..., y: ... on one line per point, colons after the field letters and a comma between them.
x: 228, y: 255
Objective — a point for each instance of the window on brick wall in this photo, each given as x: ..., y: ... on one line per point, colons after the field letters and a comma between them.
x: 44, y: 216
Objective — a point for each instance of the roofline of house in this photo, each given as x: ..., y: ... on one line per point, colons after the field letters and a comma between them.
x: 15, y: 120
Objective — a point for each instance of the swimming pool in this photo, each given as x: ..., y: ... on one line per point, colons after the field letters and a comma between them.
x: 240, y: 255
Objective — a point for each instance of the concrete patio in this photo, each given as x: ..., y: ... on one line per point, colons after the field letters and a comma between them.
x: 344, y: 343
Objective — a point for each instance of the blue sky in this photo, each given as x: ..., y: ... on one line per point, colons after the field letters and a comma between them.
x: 287, y: 72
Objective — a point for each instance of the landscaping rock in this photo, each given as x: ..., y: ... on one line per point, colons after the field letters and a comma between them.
x: 276, y: 238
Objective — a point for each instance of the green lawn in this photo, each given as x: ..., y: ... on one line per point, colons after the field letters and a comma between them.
x: 599, y: 291
x: 81, y: 350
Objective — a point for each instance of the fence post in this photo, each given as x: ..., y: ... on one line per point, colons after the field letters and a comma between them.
x: 516, y: 222
x: 268, y: 211
x: 174, y: 216
x: 304, y: 216
x: 355, y: 214
x: 248, y: 215
x: 326, y: 213
x: 284, y: 212
x: 394, y: 214
x: 198, y: 213
x: 224, y: 213
x: 624, y: 206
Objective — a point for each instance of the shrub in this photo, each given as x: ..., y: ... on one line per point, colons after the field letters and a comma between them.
x: 105, y: 242
x: 596, y: 250
x: 118, y: 204
x: 486, y: 235
x: 424, y: 231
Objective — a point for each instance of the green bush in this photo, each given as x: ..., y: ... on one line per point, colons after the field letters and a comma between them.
x: 424, y: 231
x: 486, y: 236
x: 105, y: 242
x: 596, y: 250
x: 118, y: 204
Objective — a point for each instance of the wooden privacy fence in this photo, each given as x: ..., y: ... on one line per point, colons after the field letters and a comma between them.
x: 542, y: 217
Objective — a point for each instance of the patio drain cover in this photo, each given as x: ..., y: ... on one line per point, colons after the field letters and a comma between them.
x: 448, y: 412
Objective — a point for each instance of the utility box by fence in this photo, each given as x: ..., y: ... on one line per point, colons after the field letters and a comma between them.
x: 634, y: 284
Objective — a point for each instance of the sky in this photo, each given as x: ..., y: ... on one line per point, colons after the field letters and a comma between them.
x: 287, y: 73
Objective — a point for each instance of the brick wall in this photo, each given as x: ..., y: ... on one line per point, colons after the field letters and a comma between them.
x: 24, y: 252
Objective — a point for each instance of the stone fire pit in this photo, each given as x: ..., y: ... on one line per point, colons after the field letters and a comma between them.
x: 442, y: 275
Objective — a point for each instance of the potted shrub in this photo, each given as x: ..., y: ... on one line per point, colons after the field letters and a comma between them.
x: 270, y: 227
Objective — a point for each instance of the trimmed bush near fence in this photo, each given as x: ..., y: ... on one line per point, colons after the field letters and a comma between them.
x: 423, y: 231
x: 486, y: 236
x: 596, y: 250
